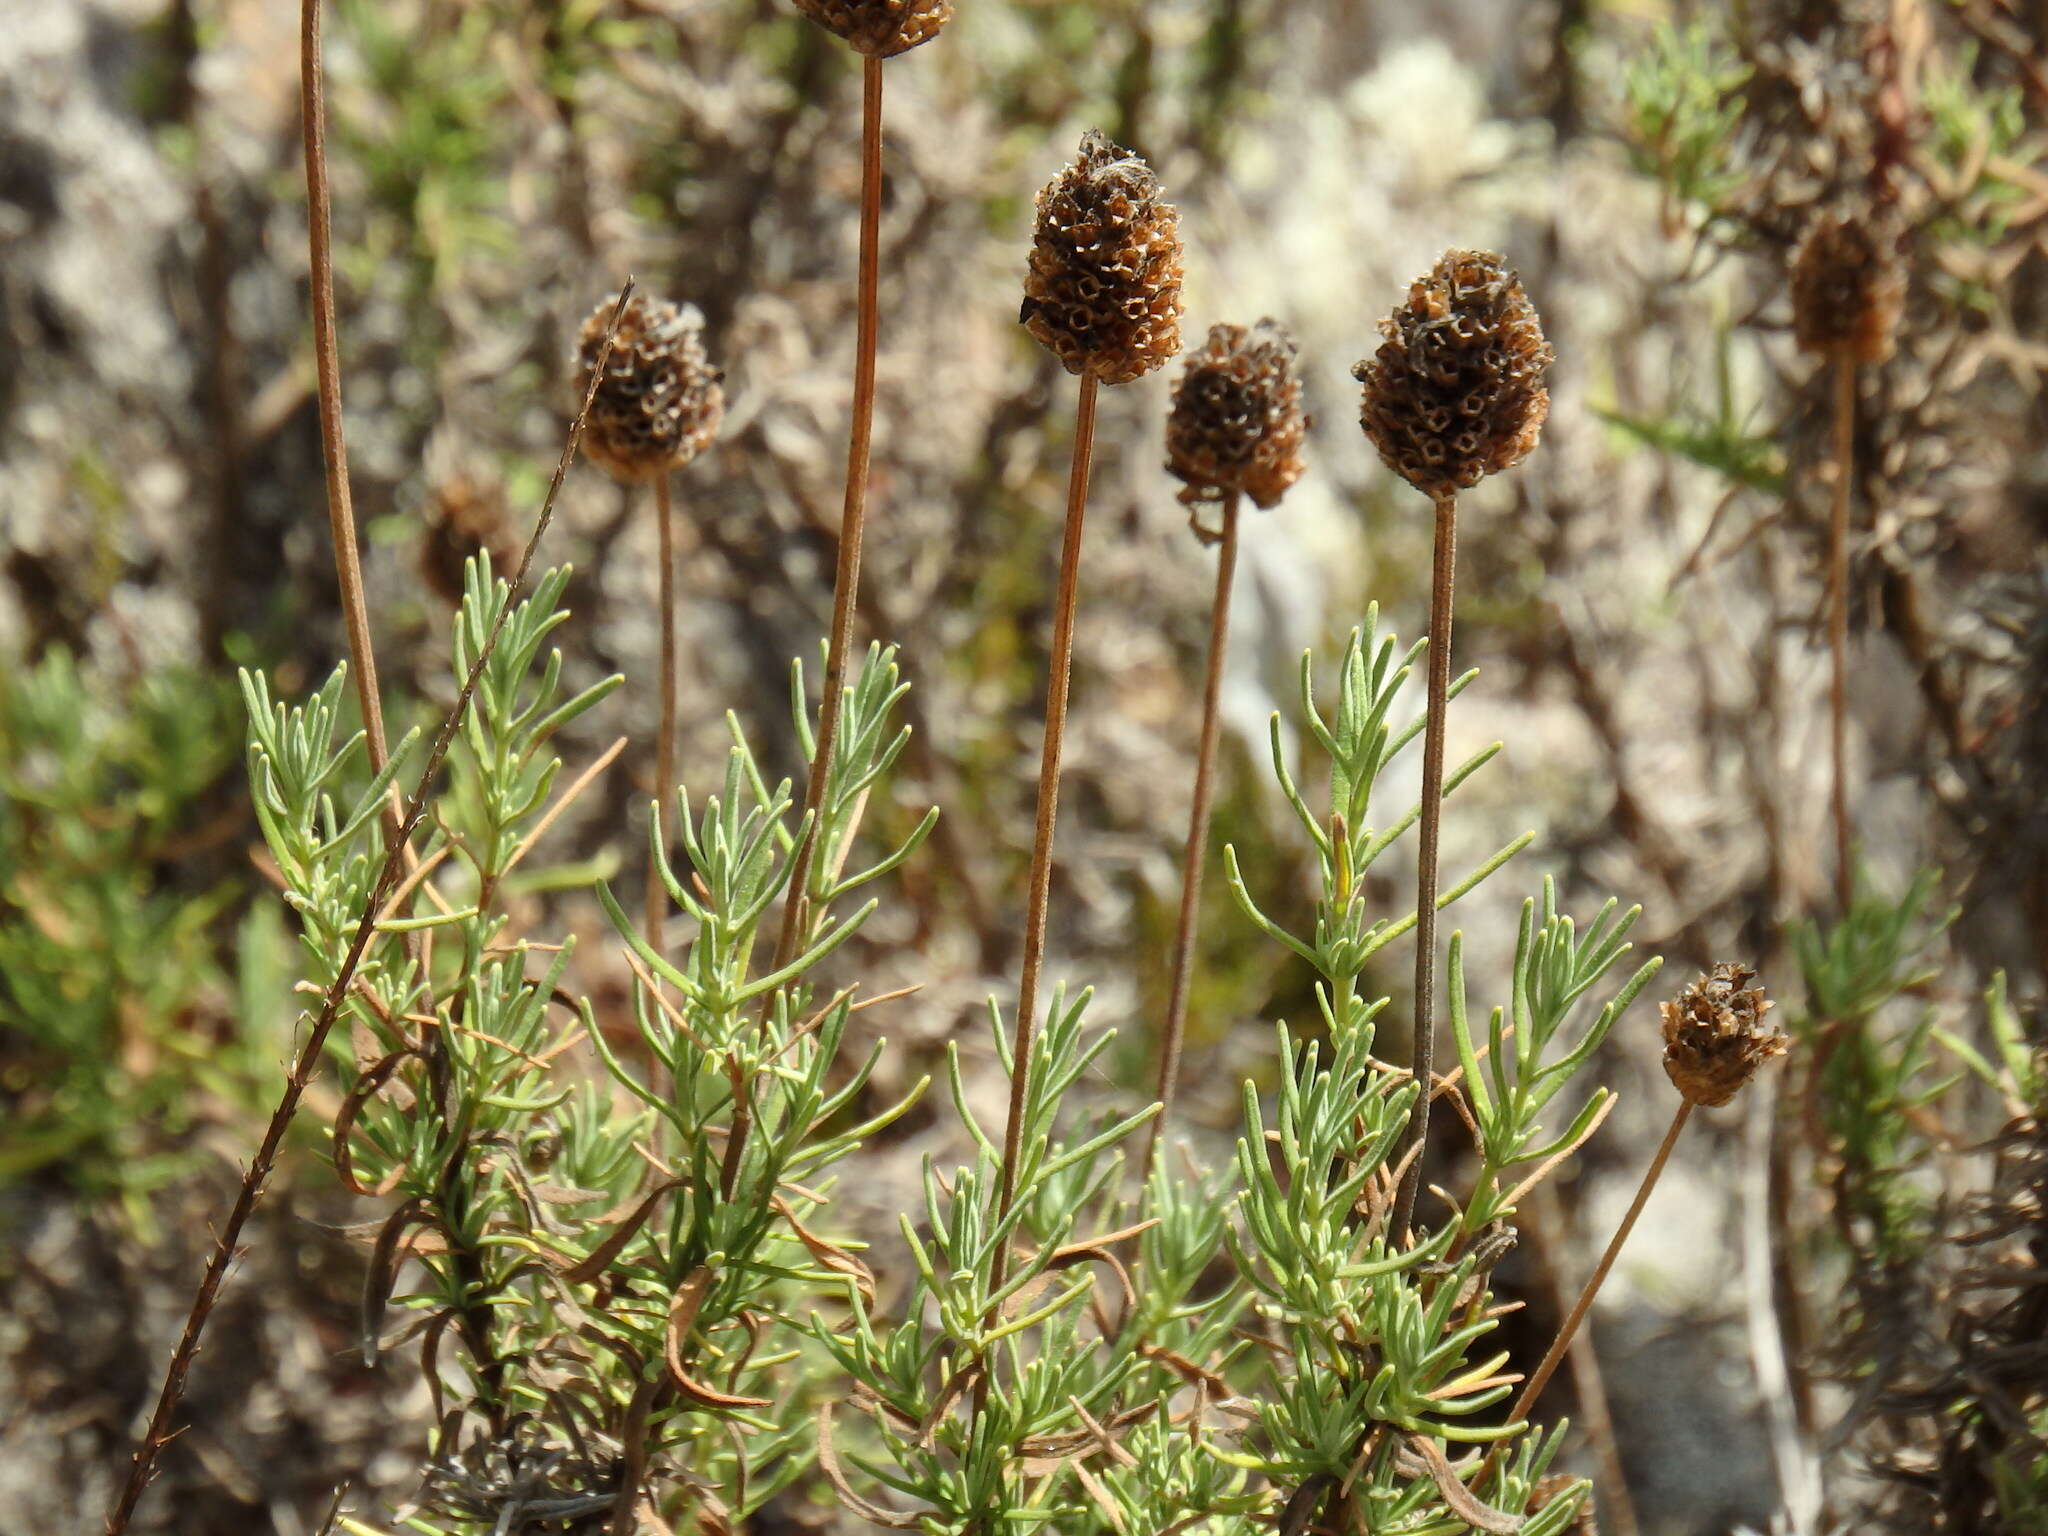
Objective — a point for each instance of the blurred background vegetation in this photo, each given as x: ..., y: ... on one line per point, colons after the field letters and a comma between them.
x: 1644, y: 600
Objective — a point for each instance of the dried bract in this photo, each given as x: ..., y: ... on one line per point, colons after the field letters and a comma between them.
x: 1236, y: 425
x: 659, y: 402
x: 1847, y: 289
x: 1716, y: 1036
x: 1103, y: 289
x: 881, y: 29
x: 1456, y: 391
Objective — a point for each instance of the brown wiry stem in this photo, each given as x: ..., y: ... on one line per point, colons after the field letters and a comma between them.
x: 853, y: 519
x: 1540, y: 1378
x: 1838, y: 625
x: 1596, y: 1419
x: 1024, y: 1038
x: 341, y: 517
x: 1198, y: 835
x: 226, y: 1241
x: 1422, y: 1044
x: 665, y: 744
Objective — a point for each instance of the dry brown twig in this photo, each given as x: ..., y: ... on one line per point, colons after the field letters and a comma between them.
x: 853, y: 518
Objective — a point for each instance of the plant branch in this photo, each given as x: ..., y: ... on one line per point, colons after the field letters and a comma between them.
x: 1596, y: 1418
x: 1422, y: 1043
x: 665, y: 744
x: 341, y: 518
x: 159, y: 1433
x: 1061, y: 672
x: 1540, y: 1378
x: 1198, y: 835
x: 1838, y: 625
x: 853, y: 518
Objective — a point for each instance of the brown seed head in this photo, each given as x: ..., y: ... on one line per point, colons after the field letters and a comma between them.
x: 1455, y: 392
x: 881, y: 29
x: 659, y: 403
x: 465, y: 516
x: 1847, y: 290
x: 1103, y: 290
x: 1236, y: 424
x: 1716, y: 1036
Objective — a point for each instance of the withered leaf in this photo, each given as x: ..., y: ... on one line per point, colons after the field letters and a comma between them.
x: 1461, y: 1501
x: 383, y: 1273
x: 682, y: 1316
x: 867, y: 1509
x: 600, y: 1258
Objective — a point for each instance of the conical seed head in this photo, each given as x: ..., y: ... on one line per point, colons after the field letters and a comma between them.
x: 881, y: 29
x: 1847, y: 290
x: 465, y: 516
x: 1236, y: 424
x: 659, y: 402
x: 1716, y: 1035
x: 1456, y: 391
x: 1103, y: 289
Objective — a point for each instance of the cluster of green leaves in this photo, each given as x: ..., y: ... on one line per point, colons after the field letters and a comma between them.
x: 1874, y: 1066
x: 614, y: 1284
x: 1976, y: 142
x: 428, y: 136
x: 1728, y: 438
x: 121, y: 1025
x: 1683, y: 109
x: 1378, y: 1368
x: 1037, y: 1381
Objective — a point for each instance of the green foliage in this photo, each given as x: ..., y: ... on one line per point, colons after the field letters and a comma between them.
x: 1873, y: 1079
x: 1377, y: 1361
x: 119, y: 1030
x: 1554, y: 970
x: 612, y: 1282
x: 995, y: 1360
x: 1728, y: 442
x: 429, y: 139
x: 1975, y: 136
x: 1683, y: 110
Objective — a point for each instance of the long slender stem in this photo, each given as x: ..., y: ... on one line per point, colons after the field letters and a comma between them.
x: 1422, y: 1044
x: 1596, y: 1418
x: 1540, y: 1379
x: 227, y: 1241
x: 1025, y: 1037
x: 665, y: 744
x: 853, y: 519
x: 1838, y: 625
x: 1198, y: 835
x: 341, y: 517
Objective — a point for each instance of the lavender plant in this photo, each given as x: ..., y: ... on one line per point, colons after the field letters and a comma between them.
x: 1332, y: 1377
x: 612, y: 1290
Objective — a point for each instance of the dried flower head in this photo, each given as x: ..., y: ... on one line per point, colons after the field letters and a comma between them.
x: 1236, y: 425
x: 1847, y: 289
x: 1716, y: 1036
x: 465, y: 516
x: 1560, y: 1485
x: 1455, y: 392
x: 881, y: 29
x: 659, y: 403
x: 1103, y: 289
